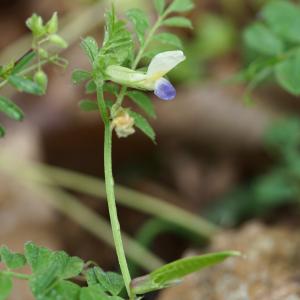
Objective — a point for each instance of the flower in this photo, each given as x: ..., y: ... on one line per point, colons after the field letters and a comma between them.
x: 153, y: 79
x: 123, y: 124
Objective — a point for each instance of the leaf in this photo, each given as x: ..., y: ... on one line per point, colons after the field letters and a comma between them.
x: 110, y: 88
x: 23, y: 62
x: 38, y: 258
x: 140, y: 21
x: 64, y: 290
x: 12, y: 260
x: 284, y: 19
x: 259, y: 38
x: 5, y: 286
x: 88, y: 105
x: 94, y: 292
x: 174, y: 271
x: 178, y: 22
x: 90, y: 47
x: 90, y: 87
x: 169, y: 39
x: 25, y: 85
x: 11, y: 109
x: 181, y: 6
x: 79, y: 76
x: 50, y: 268
x: 288, y: 74
x: 41, y: 259
x: 117, y: 45
x: 110, y: 282
x: 141, y: 123
x: 160, y: 6
x: 143, y: 101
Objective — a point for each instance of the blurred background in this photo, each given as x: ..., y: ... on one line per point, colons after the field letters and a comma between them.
x: 233, y: 164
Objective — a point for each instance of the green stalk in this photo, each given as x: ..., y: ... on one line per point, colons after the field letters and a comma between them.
x: 110, y: 193
x: 16, y: 275
x: 109, y: 184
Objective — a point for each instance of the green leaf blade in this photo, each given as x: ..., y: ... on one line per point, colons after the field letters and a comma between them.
x: 160, y: 6
x: 140, y: 21
x: 11, y: 109
x: 88, y: 105
x: 288, y: 74
x: 79, y: 76
x: 90, y: 47
x: 178, y: 22
x: 283, y: 17
x: 259, y: 38
x: 181, y: 6
x: 23, y: 62
x: 169, y: 39
x: 141, y: 123
x: 12, y: 260
x: 174, y: 271
x: 143, y: 101
x: 26, y: 85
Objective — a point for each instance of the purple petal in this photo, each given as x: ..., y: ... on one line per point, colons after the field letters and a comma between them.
x: 164, y: 89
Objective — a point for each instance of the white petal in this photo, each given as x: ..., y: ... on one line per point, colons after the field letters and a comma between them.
x: 163, y: 62
x: 124, y: 75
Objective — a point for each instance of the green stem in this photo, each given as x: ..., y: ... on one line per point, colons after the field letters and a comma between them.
x: 109, y: 184
x: 16, y: 275
x: 110, y: 193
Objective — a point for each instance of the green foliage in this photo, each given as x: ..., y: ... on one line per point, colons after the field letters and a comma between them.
x: 263, y: 40
x: 26, y: 74
x: 288, y: 74
x: 169, y: 39
x: 143, y: 125
x: 108, y: 282
x: 173, y: 272
x: 79, y: 76
x: 273, y: 47
x: 143, y: 101
x: 160, y: 6
x: 283, y: 17
x: 181, y: 6
x: 178, y: 22
x: 140, y: 21
x: 24, y: 84
x: 10, y: 109
x: 10, y: 259
x: 90, y: 47
x: 88, y: 105
x: 52, y: 272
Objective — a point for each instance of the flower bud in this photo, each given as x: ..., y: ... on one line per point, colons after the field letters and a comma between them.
x: 35, y: 24
x: 52, y: 24
x: 58, y: 41
x: 41, y: 79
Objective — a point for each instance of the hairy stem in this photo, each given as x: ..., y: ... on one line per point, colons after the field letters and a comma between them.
x: 16, y: 275
x: 109, y: 183
x: 110, y: 192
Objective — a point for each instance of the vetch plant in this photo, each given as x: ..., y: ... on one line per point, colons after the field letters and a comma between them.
x: 116, y: 72
x: 26, y: 74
